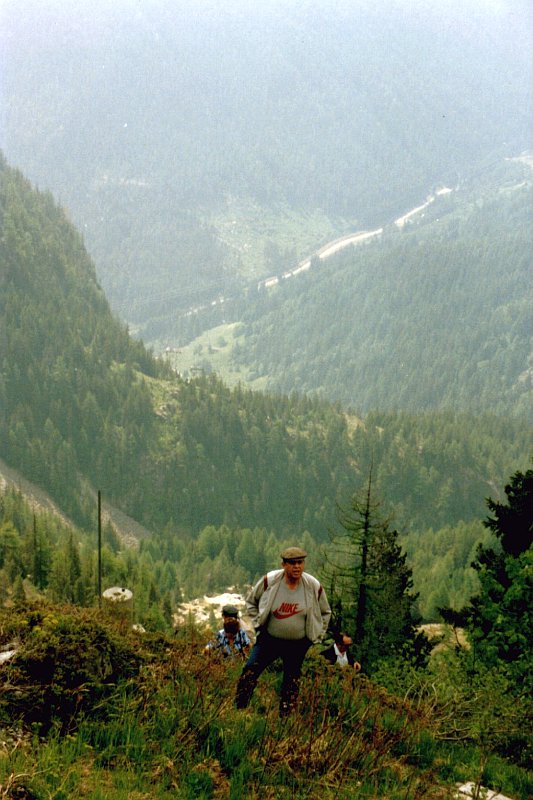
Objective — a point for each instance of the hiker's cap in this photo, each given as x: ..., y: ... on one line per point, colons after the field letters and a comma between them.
x: 230, y: 611
x: 293, y: 552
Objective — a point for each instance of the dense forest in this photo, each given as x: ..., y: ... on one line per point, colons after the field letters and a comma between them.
x: 85, y: 407
x: 438, y: 316
x: 375, y: 409
x: 71, y: 405
x: 192, y: 145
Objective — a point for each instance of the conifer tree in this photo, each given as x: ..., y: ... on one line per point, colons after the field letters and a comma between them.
x: 10, y: 551
x: 19, y: 594
x: 40, y: 553
x: 500, y: 622
x: 369, y: 584
x: 65, y: 573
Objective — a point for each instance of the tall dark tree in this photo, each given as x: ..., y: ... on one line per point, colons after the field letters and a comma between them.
x: 346, y: 561
x: 501, y: 628
x: 370, y: 583
x: 513, y: 522
x: 39, y: 551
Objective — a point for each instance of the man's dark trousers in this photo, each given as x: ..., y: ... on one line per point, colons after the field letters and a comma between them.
x: 264, y: 652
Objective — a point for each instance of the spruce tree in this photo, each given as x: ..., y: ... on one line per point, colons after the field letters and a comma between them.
x: 500, y: 624
x: 370, y: 584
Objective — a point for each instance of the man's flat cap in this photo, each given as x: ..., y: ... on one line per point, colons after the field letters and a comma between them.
x: 293, y: 552
x: 230, y: 611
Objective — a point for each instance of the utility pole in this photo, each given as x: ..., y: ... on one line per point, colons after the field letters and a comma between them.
x: 99, y: 549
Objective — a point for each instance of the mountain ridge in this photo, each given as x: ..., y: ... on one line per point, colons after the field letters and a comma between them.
x: 436, y: 275
x: 223, y: 477
x: 81, y: 402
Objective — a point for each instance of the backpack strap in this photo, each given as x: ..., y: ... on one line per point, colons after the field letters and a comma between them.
x: 265, y: 582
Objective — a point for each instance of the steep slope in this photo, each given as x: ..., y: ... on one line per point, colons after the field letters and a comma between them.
x: 127, y: 530
x: 72, y: 409
x: 83, y: 406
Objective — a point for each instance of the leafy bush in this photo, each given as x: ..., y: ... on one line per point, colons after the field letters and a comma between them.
x: 66, y: 663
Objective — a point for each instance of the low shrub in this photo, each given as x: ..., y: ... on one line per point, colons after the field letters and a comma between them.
x: 66, y: 662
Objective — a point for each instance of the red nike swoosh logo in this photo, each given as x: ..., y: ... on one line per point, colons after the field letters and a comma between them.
x: 280, y: 615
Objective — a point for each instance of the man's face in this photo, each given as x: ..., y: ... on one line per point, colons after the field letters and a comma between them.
x: 231, y: 624
x: 293, y: 568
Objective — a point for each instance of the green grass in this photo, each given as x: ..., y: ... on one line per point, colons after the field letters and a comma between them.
x: 250, y: 230
x: 169, y: 729
x: 212, y: 352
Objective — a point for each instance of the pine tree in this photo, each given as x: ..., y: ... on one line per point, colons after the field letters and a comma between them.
x: 19, y: 595
x: 369, y: 584
x: 40, y: 556
x: 10, y: 551
x: 500, y: 624
x: 65, y: 573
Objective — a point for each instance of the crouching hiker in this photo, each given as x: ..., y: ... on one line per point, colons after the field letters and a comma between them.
x: 290, y: 612
x: 339, y: 653
x: 232, y: 639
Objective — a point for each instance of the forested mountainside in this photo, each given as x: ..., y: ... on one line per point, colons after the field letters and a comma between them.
x: 197, y: 145
x: 221, y: 476
x: 78, y: 405
x: 72, y: 406
x: 439, y: 315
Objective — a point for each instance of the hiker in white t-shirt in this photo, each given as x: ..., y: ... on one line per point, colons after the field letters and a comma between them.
x: 290, y: 612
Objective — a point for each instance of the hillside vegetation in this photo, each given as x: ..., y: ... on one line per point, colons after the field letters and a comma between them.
x: 85, y: 407
x: 120, y: 716
x: 72, y: 408
x: 225, y: 478
x: 222, y: 477
x: 378, y: 409
x: 93, y: 708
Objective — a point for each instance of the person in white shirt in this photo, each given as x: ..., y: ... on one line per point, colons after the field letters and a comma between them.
x: 339, y: 652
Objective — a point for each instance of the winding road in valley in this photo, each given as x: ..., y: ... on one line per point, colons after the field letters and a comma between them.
x: 329, y: 249
x: 324, y: 252
x: 351, y: 238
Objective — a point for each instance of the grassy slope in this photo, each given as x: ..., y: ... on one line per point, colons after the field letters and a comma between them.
x: 212, y: 351
x: 122, y: 716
